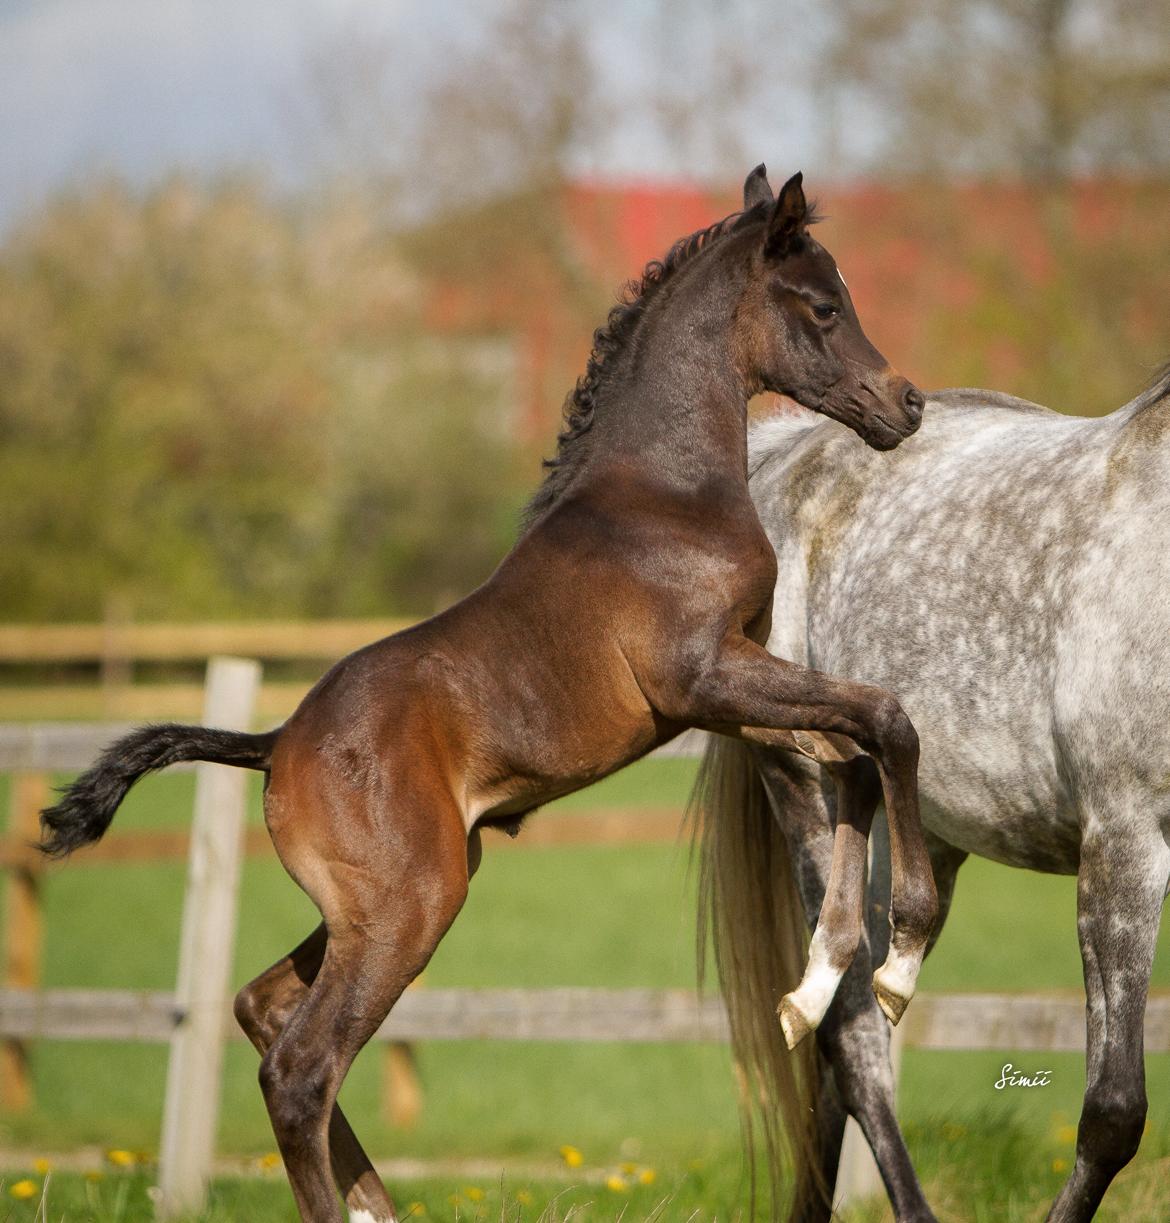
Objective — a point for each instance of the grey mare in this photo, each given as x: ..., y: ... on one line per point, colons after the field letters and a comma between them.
x: 1006, y: 574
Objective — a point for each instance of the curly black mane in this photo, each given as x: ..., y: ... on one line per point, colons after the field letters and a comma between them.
x: 610, y: 340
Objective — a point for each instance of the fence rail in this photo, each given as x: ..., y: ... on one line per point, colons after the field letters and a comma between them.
x: 195, y: 1028
x: 1002, y: 1022
x: 1052, y: 1023
x: 112, y: 650
x: 268, y: 640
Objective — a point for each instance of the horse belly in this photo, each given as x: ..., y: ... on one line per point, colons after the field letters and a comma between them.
x: 557, y: 735
x: 989, y: 774
x: 991, y: 793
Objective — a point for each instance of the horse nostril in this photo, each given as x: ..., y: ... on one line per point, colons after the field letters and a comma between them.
x: 914, y: 400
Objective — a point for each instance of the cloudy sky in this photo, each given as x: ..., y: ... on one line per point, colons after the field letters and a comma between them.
x: 139, y: 87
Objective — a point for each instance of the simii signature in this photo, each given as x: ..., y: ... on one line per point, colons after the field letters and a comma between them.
x: 1010, y: 1077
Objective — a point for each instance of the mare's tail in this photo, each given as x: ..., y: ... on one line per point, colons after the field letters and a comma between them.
x: 88, y: 805
x: 751, y: 918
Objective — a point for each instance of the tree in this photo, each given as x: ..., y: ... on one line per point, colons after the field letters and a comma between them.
x: 1040, y: 88
x: 209, y: 408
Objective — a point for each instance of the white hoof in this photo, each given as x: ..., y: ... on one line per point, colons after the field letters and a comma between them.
x: 894, y: 982
x: 794, y: 1023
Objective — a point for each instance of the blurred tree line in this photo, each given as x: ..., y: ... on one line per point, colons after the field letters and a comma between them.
x: 211, y: 407
x: 213, y: 403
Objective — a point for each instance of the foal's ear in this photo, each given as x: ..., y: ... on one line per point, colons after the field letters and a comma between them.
x: 788, y: 218
x: 756, y: 189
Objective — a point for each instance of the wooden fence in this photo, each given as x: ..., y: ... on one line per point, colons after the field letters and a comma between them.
x: 191, y: 1108
x: 195, y: 1019
x: 112, y: 654
x: 192, y: 1019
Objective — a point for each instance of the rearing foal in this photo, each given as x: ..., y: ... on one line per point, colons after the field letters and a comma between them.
x: 632, y: 607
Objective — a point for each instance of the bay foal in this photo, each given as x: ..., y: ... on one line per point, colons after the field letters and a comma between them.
x: 632, y: 606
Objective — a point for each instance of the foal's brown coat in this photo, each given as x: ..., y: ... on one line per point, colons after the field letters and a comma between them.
x: 631, y: 608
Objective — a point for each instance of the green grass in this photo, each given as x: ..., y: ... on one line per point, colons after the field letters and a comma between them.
x: 540, y: 917
x: 699, y: 1194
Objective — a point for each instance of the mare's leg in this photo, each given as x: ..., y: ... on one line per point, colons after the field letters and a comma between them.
x: 840, y: 917
x: 388, y: 885
x: 853, y: 1039
x: 747, y: 691
x: 1121, y: 885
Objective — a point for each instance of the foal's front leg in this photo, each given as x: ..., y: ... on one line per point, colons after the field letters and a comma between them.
x: 838, y: 921
x: 747, y: 692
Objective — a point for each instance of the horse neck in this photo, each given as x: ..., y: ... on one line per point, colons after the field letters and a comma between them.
x: 677, y: 406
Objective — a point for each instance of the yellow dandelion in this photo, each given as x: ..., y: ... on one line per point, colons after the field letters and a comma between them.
x: 120, y: 1158
x: 416, y: 1210
x: 616, y: 1183
x: 524, y: 1197
x: 41, y: 1166
x: 1067, y: 1134
x: 572, y: 1157
x: 269, y: 1161
x: 647, y: 1176
x: 628, y: 1168
x: 25, y: 1189
x: 93, y: 1176
x: 1060, y: 1165
x: 454, y: 1199
x: 474, y: 1194
x: 143, y: 1158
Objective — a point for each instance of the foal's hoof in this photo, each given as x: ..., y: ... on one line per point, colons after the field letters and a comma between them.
x: 892, y: 999
x: 794, y: 1023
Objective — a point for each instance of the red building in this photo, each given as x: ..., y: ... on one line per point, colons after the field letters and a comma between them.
x: 983, y: 283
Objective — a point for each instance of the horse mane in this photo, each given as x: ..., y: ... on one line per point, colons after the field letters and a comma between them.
x: 978, y: 397
x: 610, y: 340
x: 1157, y: 390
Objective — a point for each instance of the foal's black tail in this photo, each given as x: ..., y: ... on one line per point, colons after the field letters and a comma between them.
x: 88, y: 805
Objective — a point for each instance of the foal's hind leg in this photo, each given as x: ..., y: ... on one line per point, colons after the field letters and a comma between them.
x: 1121, y: 886
x: 389, y: 888
x: 262, y: 1009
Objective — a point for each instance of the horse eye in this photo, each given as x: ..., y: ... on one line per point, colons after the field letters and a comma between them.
x: 824, y: 310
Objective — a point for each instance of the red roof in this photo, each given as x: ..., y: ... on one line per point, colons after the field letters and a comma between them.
x: 911, y: 255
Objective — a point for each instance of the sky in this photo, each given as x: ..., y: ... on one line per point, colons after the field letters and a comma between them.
x: 139, y: 88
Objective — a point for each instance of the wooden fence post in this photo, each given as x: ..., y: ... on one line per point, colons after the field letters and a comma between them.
x: 207, y: 943
x: 22, y: 929
x: 401, y: 1089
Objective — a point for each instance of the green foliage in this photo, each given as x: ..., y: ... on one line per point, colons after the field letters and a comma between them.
x: 208, y: 408
x: 212, y: 406
x: 1071, y: 315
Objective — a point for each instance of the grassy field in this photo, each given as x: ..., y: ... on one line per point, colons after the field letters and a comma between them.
x: 605, y: 917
